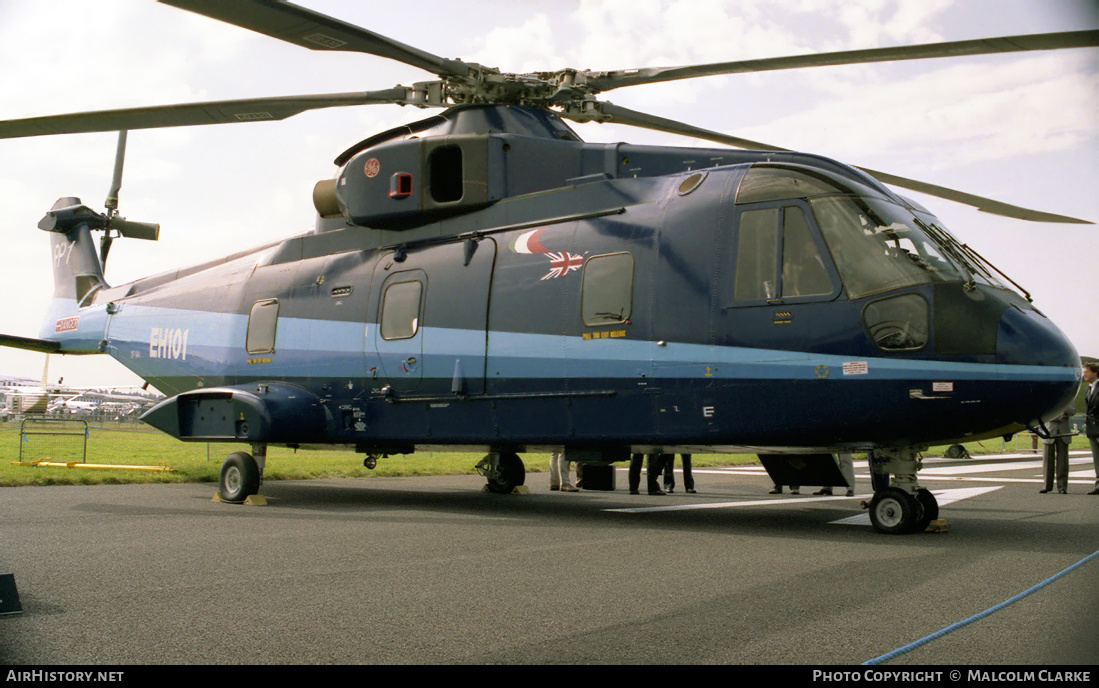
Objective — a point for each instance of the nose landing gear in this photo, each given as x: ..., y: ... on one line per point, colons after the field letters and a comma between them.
x: 903, y: 507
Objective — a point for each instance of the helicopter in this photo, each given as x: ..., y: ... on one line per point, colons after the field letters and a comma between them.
x: 485, y: 279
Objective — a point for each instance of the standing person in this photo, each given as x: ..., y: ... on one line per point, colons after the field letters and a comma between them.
x: 777, y: 489
x: 1091, y: 427
x: 559, y: 473
x: 1055, y: 452
x: 655, y: 464
x: 669, y: 474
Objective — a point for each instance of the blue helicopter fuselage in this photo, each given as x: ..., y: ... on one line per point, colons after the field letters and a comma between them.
x: 506, y: 291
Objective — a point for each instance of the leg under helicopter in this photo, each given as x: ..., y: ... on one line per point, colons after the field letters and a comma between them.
x: 903, y: 506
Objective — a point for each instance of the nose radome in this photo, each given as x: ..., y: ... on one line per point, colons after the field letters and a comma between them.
x: 1026, y: 337
x: 1049, y: 373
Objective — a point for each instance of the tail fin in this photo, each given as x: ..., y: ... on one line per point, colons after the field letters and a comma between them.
x: 77, y: 272
x: 77, y: 275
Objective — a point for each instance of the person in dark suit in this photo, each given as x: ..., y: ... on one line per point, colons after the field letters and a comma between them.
x: 669, y: 474
x: 655, y: 467
x: 1091, y: 428
x: 1055, y: 452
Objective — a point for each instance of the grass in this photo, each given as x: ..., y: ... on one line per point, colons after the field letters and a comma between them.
x: 137, y: 444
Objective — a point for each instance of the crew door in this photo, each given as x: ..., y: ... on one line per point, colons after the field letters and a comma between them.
x: 432, y: 318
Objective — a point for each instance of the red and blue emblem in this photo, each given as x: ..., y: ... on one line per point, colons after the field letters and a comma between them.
x: 563, y: 263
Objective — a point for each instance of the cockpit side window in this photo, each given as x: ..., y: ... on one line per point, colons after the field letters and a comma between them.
x: 778, y: 257
x: 756, y: 251
x: 803, y: 271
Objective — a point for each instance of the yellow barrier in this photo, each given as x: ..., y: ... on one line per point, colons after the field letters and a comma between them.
x: 94, y: 466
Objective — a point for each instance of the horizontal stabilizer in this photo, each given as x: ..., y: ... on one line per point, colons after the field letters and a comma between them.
x: 45, y: 346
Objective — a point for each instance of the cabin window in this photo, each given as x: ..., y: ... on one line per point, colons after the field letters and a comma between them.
x: 606, y: 292
x: 899, y: 323
x: 401, y: 310
x: 445, y: 163
x: 262, y: 323
x: 778, y: 257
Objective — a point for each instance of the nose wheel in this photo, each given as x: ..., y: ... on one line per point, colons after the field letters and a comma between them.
x: 894, y: 511
x: 902, y: 507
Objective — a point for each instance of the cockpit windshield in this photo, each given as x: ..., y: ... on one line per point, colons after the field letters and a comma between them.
x: 878, y: 246
x: 876, y: 243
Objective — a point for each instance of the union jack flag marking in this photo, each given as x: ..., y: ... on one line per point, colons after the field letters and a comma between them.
x: 563, y: 263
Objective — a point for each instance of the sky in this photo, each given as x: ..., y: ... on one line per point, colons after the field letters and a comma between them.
x: 1020, y: 128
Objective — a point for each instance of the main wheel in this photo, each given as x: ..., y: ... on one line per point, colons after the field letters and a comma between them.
x: 894, y: 511
x: 930, y: 509
x: 510, y: 474
x: 239, y: 477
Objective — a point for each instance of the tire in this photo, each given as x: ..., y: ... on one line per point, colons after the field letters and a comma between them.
x: 895, y: 512
x: 956, y: 451
x: 510, y: 474
x: 930, y: 509
x: 239, y: 477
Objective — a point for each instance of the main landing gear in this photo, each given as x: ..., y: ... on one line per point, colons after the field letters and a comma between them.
x: 904, y: 506
x: 241, y: 474
x: 504, y: 472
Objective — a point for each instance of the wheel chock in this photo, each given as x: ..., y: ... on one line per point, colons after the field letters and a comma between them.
x: 9, y: 595
x: 251, y: 500
x: 93, y: 466
x: 939, y: 525
x: 521, y: 490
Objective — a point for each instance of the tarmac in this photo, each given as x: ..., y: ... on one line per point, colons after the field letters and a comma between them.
x: 432, y: 570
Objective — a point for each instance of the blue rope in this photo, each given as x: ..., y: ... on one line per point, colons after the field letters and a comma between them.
x: 949, y: 629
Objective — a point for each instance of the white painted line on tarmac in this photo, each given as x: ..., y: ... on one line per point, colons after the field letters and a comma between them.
x: 1076, y: 478
x: 992, y: 468
x: 733, y: 505
x: 943, y: 497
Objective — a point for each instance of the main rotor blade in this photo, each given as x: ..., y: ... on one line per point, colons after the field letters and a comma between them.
x: 981, y: 203
x: 621, y: 115
x: 605, y: 81
x: 190, y: 114
x: 316, y: 31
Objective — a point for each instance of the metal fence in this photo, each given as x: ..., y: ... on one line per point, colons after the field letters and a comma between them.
x: 50, y: 439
